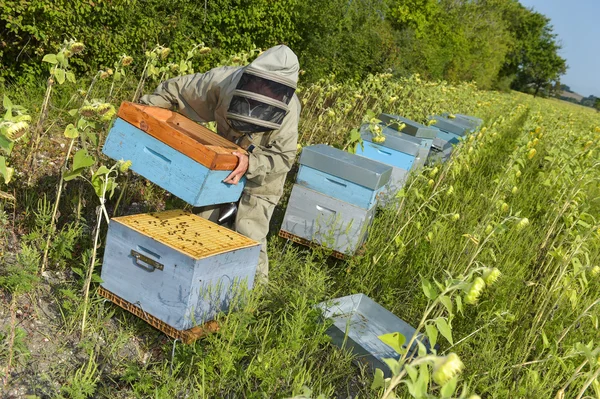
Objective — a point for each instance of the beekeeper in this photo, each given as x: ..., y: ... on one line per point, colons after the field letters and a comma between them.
x: 254, y: 106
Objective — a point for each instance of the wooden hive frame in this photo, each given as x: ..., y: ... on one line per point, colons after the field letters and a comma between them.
x: 178, y: 132
x: 185, y: 336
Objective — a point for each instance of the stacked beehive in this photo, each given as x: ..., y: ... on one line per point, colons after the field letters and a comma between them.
x: 406, y: 147
x: 334, y: 199
x: 450, y: 130
x: 174, y: 269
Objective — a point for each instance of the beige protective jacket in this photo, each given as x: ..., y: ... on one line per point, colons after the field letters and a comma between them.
x: 205, y: 97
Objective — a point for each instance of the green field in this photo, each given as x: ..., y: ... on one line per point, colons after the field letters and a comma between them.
x: 521, y: 195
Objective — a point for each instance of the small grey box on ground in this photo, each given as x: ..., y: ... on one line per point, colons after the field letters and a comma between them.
x: 351, y: 167
x: 411, y: 127
x: 358, y: 321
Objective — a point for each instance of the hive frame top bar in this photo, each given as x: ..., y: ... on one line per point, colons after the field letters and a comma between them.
x: 187, y: 233
x: 182, y: 134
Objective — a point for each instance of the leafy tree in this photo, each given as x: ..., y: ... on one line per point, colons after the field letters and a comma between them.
x: 533, y: 61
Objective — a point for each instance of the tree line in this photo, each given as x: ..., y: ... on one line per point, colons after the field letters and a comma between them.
x: 497, y: 44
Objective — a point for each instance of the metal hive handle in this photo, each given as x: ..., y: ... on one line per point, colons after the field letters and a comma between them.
x: 149, y: 264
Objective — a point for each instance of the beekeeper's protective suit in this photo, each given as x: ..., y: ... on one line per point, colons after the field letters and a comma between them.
x: 256, y: 107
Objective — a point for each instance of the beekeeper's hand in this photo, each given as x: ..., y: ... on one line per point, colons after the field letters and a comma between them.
x: 241, y: 168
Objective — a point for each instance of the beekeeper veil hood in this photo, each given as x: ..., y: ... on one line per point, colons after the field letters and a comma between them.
x: 266, y: 87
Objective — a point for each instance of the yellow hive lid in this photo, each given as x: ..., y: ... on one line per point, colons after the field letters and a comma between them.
x: 188, y: 233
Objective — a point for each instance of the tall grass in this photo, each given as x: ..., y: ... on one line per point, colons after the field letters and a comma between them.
x: 496, y: 203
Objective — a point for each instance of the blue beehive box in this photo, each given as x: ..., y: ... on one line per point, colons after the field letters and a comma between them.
x: 467, y: 120
x: 175, y: 153
x: 401, y: 151
x: 177, y: 267
x: 339, y: 174
x: 412, y: 128
x: 453, y: 126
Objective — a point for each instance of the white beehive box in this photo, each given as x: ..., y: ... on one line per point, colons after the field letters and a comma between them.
x: 176, y: 266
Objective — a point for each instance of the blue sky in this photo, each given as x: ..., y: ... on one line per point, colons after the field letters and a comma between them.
x: 578, y: 27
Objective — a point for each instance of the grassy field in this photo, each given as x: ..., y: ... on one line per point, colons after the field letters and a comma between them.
x: 522, y: 196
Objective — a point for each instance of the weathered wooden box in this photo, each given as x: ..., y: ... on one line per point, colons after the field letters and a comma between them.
x: 339, y: 174
x: 174, y: 152
x: 176, y: 266
x: 358, y: 321
x: 332, y: 223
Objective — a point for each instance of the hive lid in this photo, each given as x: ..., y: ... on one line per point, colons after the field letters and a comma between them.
x: 182, y: 134
x: 394, y: 139
x: 450, y: 125
x: 466, y: 120
x: 360, y: 170
x: 412, y: 128
x: 187, y: 233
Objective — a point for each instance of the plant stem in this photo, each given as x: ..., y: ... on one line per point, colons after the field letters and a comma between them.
x: 39, y: 125
x: 55, y: 210
x: 88, y: 280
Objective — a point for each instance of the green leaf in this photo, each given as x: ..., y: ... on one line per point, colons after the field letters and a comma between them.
x: 5, y: 171
x: 429, y: 289
x: 70, y: 76
x: 60, y: 57
x: 394, y: 365
x: 432, y: 334
x: 72, y: 174
x: 81, y: 159
x: 412, y: 372
x: 545, y: 340
x: 102, y: 170
x: 60, y: 75
x: 117, y: 76
x: 459, y: 305
x: 444, y: 329
x: 96, y: 278
x: 378, y: 381
x: 6, y: 103
x: 448, y: 389
x: 50, y: 58
x: 78, y: 271
x: 6, y: 144
x: 71, y: 132
x: 73, y: 111
x: 447, y: 302
x: 395, y: 340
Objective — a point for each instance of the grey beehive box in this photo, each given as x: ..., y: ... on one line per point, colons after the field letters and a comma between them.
x: 328, y: 221
x: 358, y: 321
x: 450, y: 125
x: 471, y: 121
x: 413, y: 128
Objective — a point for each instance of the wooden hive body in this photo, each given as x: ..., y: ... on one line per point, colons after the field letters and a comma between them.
x: 176, y: 266
x: 328, y: 221
x: 339, y: 174
x: 177, y: 154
